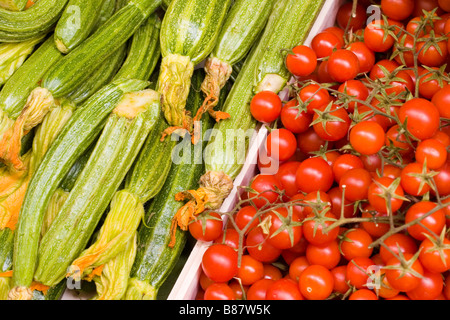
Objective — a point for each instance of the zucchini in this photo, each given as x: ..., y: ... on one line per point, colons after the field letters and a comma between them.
x: 16, y: 90
x: 154, y: 259
x: 13, y: 5
x: 117, y: 147
x: 264, y: 69
x: 76, y: 23
x: 144, y: 51
x: 103, y: 75
x: 242, y: 27
x: 78, y: 134
x: 17, y: 26
x: 13, y: 55
x: 106, y: 12
x: 71, y: 71
x: 189, y: 32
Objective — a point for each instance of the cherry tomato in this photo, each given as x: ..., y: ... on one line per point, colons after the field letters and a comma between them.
x: 281, y: 144
x: 442, y: 179
x: 397, y: 9
x: 259, y: 248
x: 314, y: 97
x: 331, y: 123
x: 356, y: 90
x: 397, y: 242
x: 432, y: 152
x: 250, y: 270
x: 367, y: 137
x: 377, y: 194
x: 314, y: 228
x: 363, y: 294
x: 435, y: 254
x: 429, y: 288
x: 219, y: 291
x: 287, y: 176
x: 340, y: 279
x: 427, y: 5
x: 358, y: 271
x: 434, y: 222
x: 283, y: 289
x: 220, y: 262
x: 285, y: 229
x: 355, y: 243
x: 432, y: 56
x: 206, y: 226
x: 355, y: 183
x: 297, y: 266
x: 403, y: 56
x: 314, y: 174
x: 245, y: 218
x: 293, y: 119
x: 327, y: 255
x: 441, y: 99
x: 265, y: 106
x: 302, y: 61
x: 397, y: 139
x: 324, y: 43
x: 272, y: 272
x: 412, y: 180
x: 346, y: 19
x: 343, y: 65
x: 348, y: 209
x: 229, y: 237
x: 258, y: 290
x: 344, y: 163
x: 428, y: 85
x: 402, y: 278
x: 422, y: 117
x: 374, y: 228
x: 264, y: 187
x: 375, y: 36
x: 365, y: 55
x: 445, y: 5
x: 316, y: 282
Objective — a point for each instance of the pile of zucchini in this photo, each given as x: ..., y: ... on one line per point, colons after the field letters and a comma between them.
x: 91, y: 187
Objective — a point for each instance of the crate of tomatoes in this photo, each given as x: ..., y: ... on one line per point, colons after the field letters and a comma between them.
x: 344, y: 194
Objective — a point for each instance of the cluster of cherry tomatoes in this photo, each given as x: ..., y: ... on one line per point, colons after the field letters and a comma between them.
x: 358, y: 204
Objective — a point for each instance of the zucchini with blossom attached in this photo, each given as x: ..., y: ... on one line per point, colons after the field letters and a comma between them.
x: 78, y: 134
x: 242, y: 27
x: 76, y: 67
x: 13, y: 5
x: 264, y: 69
x: 189, y: 32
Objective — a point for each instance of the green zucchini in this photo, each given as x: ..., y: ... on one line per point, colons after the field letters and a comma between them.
x: 154, y: 258
x: 17, y: 26
x: 16, y: 90
x: 116, y: 149
x: 242, y: 27
x: 189, y: 33
x: 13, y: 55
x: 76, y: 23
x: 106, y: 12
x: 288, y: 25
x: 77, y: 136
x: 165, y: 4
x: 144, y: 51
x: 71, y: 71
x: 13, y: 5
x: 102, y: 76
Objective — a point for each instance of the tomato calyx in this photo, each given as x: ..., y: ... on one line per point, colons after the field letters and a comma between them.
x: 438, y: 244
x: 405, y: 265
x: 425, y: 177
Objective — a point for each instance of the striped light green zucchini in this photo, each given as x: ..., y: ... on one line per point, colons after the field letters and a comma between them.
x: 16, y: 90
x: 71, y: 71
x: 13, y: 5
x: 76, y: 23
x: 17, y: 26
x: 144, y: 51
x: 116, y: 149
x: 106, y: 12
x: 189, y: 32
x: 13, y: 55
x: 225, y: 154
x: 242, y: 27
x: 102, y: 76
x: 79, y: 133
x: 154, y: 258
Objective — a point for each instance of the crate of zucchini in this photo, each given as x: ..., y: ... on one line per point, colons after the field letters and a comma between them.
x: 93, y: 114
